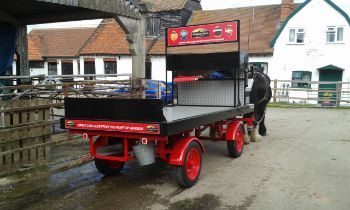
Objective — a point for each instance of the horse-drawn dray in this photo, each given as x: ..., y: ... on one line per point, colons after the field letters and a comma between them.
x: 121, y: 130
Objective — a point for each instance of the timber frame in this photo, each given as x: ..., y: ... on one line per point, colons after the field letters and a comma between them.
x: 26, y: 12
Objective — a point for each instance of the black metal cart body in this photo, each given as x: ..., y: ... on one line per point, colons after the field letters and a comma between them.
x: 146, y: 129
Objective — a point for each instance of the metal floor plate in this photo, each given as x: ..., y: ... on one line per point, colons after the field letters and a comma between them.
x: 183, y: 112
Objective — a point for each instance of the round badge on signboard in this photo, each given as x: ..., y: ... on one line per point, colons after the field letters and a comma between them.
x: 174, y: 36
x: 183, y: 34
x: 229, y: 30
x: 217, y: 31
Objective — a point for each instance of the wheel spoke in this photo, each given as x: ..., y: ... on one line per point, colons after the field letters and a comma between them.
x: 193, y: 164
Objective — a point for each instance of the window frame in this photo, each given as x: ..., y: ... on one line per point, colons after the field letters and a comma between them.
x: 265, y: 65
x: 296, y: 33
x: 336, y: 34
x: 301, y: 85
x: 153, y: 26
x: 110, y: 62
x: 36, y: 64
x: 50, y: 70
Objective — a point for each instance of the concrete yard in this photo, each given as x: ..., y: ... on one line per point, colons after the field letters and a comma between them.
x: 303, y: 163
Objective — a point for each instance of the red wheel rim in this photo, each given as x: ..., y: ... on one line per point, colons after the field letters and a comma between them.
x: 239, y: 140
x: 114, y: 164
x: 193, y: 164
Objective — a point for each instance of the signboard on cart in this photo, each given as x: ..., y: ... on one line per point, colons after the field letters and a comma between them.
x: 203, y: 34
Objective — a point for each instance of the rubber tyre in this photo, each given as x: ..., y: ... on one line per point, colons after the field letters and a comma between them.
x: 108, y: 167
x: 180, y: 173
x: 235, y: 148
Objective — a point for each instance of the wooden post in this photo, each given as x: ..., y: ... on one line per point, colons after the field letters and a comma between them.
x: 22, y: 50
x: 338, y: 94
x: 135, y: 35
x: 275, y: 91
x: 66, y: 91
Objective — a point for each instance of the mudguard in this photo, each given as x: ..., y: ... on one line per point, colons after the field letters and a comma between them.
x: 179, y: 151
x: 232, y: 130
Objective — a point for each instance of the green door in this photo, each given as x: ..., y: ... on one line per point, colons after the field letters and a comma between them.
x: 327, y: 92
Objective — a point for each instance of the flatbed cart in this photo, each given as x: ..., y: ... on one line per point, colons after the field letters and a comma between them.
x: 121, y: 130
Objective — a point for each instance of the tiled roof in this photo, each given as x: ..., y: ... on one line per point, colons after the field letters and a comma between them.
x: 109, y: 38
x: 165, y: 5
x: 35, y: 47
x: 45, y: 43
x: 258, y: 27
x: 158, y: 47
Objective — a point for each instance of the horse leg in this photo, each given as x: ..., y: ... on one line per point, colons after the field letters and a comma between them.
x: 262, y: 127
x: 255, y: 136
x: 246, y: 135
x: 258, y: 114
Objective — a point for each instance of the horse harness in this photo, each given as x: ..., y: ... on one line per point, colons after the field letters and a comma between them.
x: 266, y: 91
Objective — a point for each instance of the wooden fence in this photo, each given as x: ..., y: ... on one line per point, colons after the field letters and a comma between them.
x: 29, y: 116
x: 312, y: 92
x: 26, y: 128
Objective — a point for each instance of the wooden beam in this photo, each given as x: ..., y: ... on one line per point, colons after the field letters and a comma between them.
x: 22, y: 50
x: 135, y: 32
x: 7, y: 17
x: 79, y: 14
x: 115, y: 7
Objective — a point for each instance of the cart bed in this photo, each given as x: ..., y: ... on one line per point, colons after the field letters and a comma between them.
x: 166, y: 121
x: 182, y: 118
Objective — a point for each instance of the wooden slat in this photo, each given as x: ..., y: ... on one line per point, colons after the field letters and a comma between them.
x: 17, y: 120
x: 17, y: 109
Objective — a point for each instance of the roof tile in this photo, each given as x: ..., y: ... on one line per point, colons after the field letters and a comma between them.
x: 45, y: 43
x: 109, y: 38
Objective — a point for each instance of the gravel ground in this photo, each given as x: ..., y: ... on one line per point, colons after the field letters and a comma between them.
x: 303, y: 163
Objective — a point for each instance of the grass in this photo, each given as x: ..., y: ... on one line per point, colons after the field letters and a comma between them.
x: 286, y: 105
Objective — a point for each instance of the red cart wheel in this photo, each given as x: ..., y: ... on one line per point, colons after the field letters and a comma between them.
x: 108, y: 167
x: 187, y: 175
x: 235, y: 148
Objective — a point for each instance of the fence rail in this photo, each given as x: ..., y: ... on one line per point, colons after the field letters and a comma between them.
x: 311, y: 92
x: 30, y: 108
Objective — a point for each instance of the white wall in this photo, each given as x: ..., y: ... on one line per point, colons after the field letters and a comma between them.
x: 315, y: 52
x: 59, y: 67
x: 39, y: 71
x: 261, y: 59
x: 14, y: 67
x: 124, y: 66
x: 159, y: 68
x: 75, y: 67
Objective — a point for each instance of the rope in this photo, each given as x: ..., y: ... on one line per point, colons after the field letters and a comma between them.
x: 262, y: 118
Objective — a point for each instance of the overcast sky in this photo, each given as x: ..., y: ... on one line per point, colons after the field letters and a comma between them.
x: 207, y: 5
x: 213, y: 4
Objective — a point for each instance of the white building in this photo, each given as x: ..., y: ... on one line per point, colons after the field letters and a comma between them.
x: 312, y: 45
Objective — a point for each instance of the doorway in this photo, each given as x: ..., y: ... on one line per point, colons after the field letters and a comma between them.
x: 328, y: 93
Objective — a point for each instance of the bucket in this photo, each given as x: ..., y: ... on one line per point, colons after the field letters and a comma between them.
x: 145, y: 154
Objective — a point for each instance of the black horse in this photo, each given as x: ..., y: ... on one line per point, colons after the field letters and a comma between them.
x: 260, y: 96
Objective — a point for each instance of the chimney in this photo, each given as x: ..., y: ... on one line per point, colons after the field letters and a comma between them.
x: 287, y: 8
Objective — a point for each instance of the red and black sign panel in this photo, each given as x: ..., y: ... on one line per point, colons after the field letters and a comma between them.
x: 203, y: 34
x: 113, y: 126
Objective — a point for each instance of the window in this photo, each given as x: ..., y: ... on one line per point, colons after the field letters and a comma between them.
x: 52, y: 68
x: 110, y: 67
x: 261, y: 65
x: 36, y: 64
x: 153, y: 27
x: 296, y: 35
x: 334, y: 34
x: 89, y: 68
x: 67, y: 68
x: 301, y: 76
